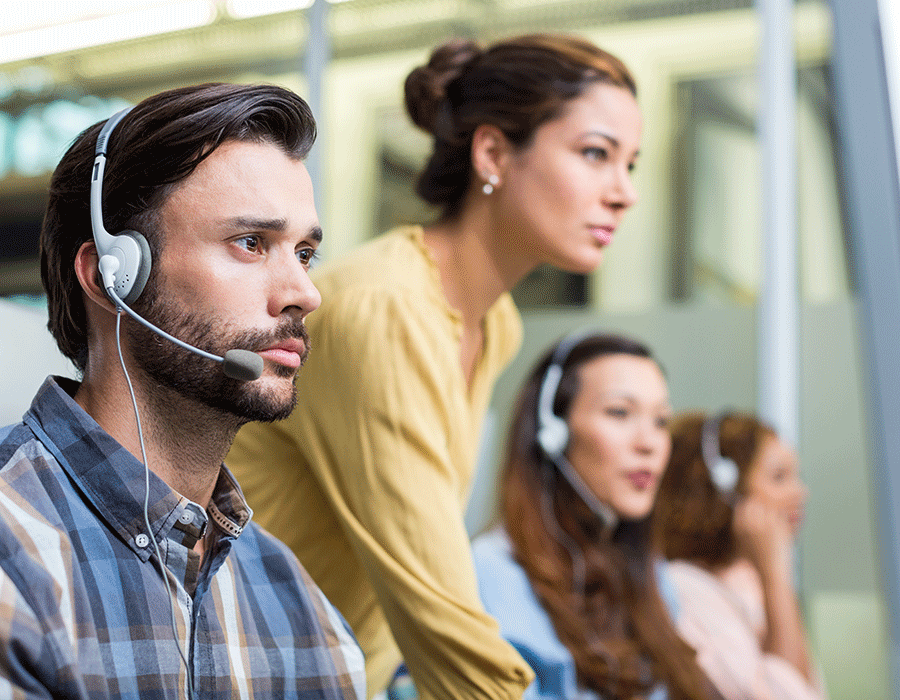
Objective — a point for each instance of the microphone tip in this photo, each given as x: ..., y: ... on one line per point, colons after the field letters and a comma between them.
x: 243, y: 365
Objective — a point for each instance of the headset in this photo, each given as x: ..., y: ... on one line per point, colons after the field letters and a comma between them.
x: 553, y: 431
x: 129, y: 249
x: 125, y: 261
x: 723, y: 471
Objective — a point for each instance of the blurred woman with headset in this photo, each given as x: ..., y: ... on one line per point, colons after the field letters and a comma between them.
x: 729, y: 508
x: 571, y: 575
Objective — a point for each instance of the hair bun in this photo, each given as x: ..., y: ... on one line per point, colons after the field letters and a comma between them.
x: 425, y: 87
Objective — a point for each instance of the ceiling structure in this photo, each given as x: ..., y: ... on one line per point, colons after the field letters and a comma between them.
x: 274, y: 43
x: 225, y: 44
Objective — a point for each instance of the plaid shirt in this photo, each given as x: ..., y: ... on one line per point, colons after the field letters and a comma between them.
x: 84, y: 611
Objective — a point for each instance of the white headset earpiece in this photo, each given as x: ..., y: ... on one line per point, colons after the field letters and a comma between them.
x: 553, y: 431
x: 129, y: 248
x: 723, y: 471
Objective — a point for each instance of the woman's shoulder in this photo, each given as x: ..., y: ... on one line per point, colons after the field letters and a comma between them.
x: 508, y: 596
x: 688, y: 574
x: 494, y: 560
x: 697, y: 590
x: 389, y: 279
x: 730, y: 593
x: 738, y: 581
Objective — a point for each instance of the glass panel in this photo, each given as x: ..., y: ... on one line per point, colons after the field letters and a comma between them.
x: 717, y: 195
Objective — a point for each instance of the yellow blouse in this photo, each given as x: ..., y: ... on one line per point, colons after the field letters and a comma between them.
x: 368, y: 479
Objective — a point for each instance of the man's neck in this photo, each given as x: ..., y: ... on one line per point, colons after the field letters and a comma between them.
x: 184, y: 442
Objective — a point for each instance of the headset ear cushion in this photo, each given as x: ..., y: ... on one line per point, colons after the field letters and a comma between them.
x: 725, y: 475
x: 143, y: 271
x: 553, y: 436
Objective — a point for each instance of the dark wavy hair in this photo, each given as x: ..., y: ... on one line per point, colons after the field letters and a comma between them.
x: 618, y: 628
x: 516, y: 85
x: 692, y: 519
x: 157, y: 145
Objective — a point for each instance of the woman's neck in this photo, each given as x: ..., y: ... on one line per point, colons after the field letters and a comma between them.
x: 476, y: 268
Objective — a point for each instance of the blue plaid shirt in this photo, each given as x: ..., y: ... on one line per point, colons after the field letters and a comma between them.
x: 84, y: 611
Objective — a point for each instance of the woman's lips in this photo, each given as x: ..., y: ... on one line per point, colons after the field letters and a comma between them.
x: 641, y: 479
x: 603, y: 234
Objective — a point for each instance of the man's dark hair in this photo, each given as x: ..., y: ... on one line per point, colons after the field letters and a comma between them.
x: 157, y: 145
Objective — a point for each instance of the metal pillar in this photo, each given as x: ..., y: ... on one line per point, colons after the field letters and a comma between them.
x: 778, y: 328
x: 318, y: 53
x: 872, y: 193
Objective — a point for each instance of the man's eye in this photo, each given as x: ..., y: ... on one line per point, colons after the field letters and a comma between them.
x: 249, y: 243
x: 307, y: 256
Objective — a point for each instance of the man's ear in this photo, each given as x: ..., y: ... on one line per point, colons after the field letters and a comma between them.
x: 490, y: 154
x: 89, y: 276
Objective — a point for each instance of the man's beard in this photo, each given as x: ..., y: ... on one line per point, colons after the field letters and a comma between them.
x: 201, y: 379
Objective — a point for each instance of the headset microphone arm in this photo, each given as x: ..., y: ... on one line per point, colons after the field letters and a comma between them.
x: 603, y: 512
x: 237, y: 364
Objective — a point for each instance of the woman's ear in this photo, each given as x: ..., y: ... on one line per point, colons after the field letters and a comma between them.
x: 490, y: 155
x: 88, y: 275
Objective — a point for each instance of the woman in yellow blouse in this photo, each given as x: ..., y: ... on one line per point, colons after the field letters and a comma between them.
x: 534, y: 142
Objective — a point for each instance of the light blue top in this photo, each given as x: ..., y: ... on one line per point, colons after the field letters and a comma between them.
x: 507, y: 595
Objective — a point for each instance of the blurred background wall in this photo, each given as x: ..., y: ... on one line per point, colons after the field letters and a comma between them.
x: 684, y: 273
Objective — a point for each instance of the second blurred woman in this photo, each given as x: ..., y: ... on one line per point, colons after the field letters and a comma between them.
x: 534, y: 142
x: 729, y: 509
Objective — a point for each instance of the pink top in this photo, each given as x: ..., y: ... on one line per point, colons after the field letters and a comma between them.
x: 723, y: 617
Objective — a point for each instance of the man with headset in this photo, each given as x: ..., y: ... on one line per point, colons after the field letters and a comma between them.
x: 129, y: 566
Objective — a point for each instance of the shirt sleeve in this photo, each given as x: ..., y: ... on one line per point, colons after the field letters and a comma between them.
x: 382, y: 430
x: 36, y: 657
x: 728, y: 649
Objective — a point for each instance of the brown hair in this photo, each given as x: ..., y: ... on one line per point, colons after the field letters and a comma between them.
x: 692, y: 519
x: 618, y: 628
x: 157, y: 145
x: 516, y: 85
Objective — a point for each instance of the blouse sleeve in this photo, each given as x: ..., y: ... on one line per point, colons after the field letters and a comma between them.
x: 710, y: 619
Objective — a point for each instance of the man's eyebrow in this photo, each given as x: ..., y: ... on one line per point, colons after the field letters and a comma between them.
x: 249, y: 223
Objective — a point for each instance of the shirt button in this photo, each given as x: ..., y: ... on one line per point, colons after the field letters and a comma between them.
x: 186, y: 517
x: 142, y: 540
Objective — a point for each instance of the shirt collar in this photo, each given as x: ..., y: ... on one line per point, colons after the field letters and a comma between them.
x: 114, y: 481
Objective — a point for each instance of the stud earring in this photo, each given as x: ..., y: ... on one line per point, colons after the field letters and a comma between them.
x: 492, y: 182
